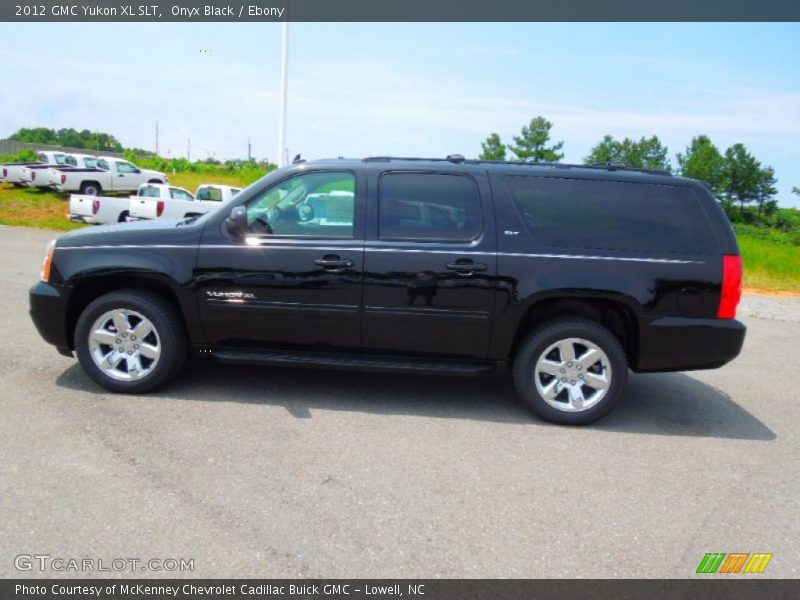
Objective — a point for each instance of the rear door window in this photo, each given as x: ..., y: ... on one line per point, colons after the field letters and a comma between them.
x: 610, y: 215
x: 209, y: 193
x: 428, y: 207
x: 179, y: 194
x: 149, y: 191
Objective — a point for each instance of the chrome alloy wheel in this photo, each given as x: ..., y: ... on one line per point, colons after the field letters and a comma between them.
x: 124, y: 344
x: 573, y: 375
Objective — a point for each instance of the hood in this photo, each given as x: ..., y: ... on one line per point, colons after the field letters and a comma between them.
x: 137, y: 233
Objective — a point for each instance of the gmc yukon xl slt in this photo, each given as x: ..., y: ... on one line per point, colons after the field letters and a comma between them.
x: 570, y: 275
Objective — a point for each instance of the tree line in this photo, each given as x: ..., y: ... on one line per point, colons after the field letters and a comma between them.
x: 72, y: 138
x: 734, y: 176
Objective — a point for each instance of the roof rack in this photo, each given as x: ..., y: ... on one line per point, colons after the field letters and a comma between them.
x: 453, y: 158
x: 459, y: 159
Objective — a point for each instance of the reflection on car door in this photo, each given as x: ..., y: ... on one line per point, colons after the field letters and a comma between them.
x: 430, y: 263
x: 301, y: 288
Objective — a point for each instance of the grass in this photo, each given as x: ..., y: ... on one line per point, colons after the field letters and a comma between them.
x: 191, y: 181
x: 771, y: 257
x: 769, y: 265
x: 31, y: 208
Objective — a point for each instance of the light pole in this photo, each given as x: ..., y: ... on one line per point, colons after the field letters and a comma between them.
x: 284, y: 82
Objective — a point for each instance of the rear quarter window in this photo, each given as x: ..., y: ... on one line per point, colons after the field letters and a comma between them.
x: 611, y: 215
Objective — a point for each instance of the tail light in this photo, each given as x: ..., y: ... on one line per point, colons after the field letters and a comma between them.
x: 63, y: 178
x: 33, y: 175
x: 159, y: 208
x: 95, y: 206
x: 732, y: 271
x: 5, y: 172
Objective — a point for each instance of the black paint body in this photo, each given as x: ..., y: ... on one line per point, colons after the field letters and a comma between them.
x: 400, y: 297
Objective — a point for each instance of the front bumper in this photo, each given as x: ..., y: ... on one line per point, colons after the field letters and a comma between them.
x: 685, y: 344
x: 48, y: 310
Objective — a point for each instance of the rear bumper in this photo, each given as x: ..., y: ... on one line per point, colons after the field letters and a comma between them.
x: 683, y: 344
x: 82, y: 219
x: 48, y: 310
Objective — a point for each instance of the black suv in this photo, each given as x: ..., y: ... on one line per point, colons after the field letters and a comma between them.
x: 569, y: 274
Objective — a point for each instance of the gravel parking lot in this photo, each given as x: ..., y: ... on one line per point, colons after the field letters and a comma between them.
x: 274, y: 472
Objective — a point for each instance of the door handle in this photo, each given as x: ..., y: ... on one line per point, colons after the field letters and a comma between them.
x: 465, y: 267
x: 333, y: 263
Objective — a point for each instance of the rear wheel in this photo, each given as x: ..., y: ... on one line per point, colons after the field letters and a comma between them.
x: 91, y: 188
x: 571, y: 371
x: 131, y: 341
x: 123, y: 217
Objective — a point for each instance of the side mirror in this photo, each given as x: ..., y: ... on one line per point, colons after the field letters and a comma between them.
x: 236, y: 223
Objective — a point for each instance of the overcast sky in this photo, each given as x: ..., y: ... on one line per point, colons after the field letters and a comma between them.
x: 409, y: 89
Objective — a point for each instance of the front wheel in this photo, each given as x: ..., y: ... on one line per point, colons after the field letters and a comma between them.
x: 571, y: 371
x: 130, y: 341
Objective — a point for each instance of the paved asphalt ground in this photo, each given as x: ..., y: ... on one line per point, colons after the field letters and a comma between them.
x: 298, y: 473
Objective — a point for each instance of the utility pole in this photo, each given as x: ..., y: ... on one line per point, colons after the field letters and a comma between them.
x: 249, y: 150
x: 284, y: 82
x: 156, y: 138
x: 189, y: 150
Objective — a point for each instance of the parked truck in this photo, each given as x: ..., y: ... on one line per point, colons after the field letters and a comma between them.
x: 12, y: 172
x: 109, y: 175
x: 102, y: 210
x: 43, y: 175
x: 167, y: 202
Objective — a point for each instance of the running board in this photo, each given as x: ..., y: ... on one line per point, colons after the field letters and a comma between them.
x: 330, y: 360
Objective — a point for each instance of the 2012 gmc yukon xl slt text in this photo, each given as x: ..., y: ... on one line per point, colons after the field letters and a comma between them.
x: 571, y: 275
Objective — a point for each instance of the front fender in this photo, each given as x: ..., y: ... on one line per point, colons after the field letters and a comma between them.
x: 92, y: 271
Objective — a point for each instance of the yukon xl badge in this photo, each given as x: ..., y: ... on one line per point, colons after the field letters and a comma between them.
x: 230, y: 295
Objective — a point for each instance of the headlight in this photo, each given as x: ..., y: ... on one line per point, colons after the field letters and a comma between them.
x: 48, y: 260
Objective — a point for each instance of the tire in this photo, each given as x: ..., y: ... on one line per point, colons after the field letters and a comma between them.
x: 590, y: 384
x: 123, y: 217
x: 149, y: 364
x: 91, y: 188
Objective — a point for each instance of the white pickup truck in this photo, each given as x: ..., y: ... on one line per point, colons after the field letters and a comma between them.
x: 110, y: 175
x: 43, y: 175
x: 103, y: 210
x: 12, y: 172
x: 165, y: 202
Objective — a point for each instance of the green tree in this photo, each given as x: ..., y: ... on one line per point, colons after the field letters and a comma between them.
x: 531, y: 144
x: 741, y: 176
x: 765, y: 190
x: 702, y: 160
x: 68, y: 137
x: 645, y: 153
x: 493, y: 148
x: 35, y: 135
x: 607, y: 150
